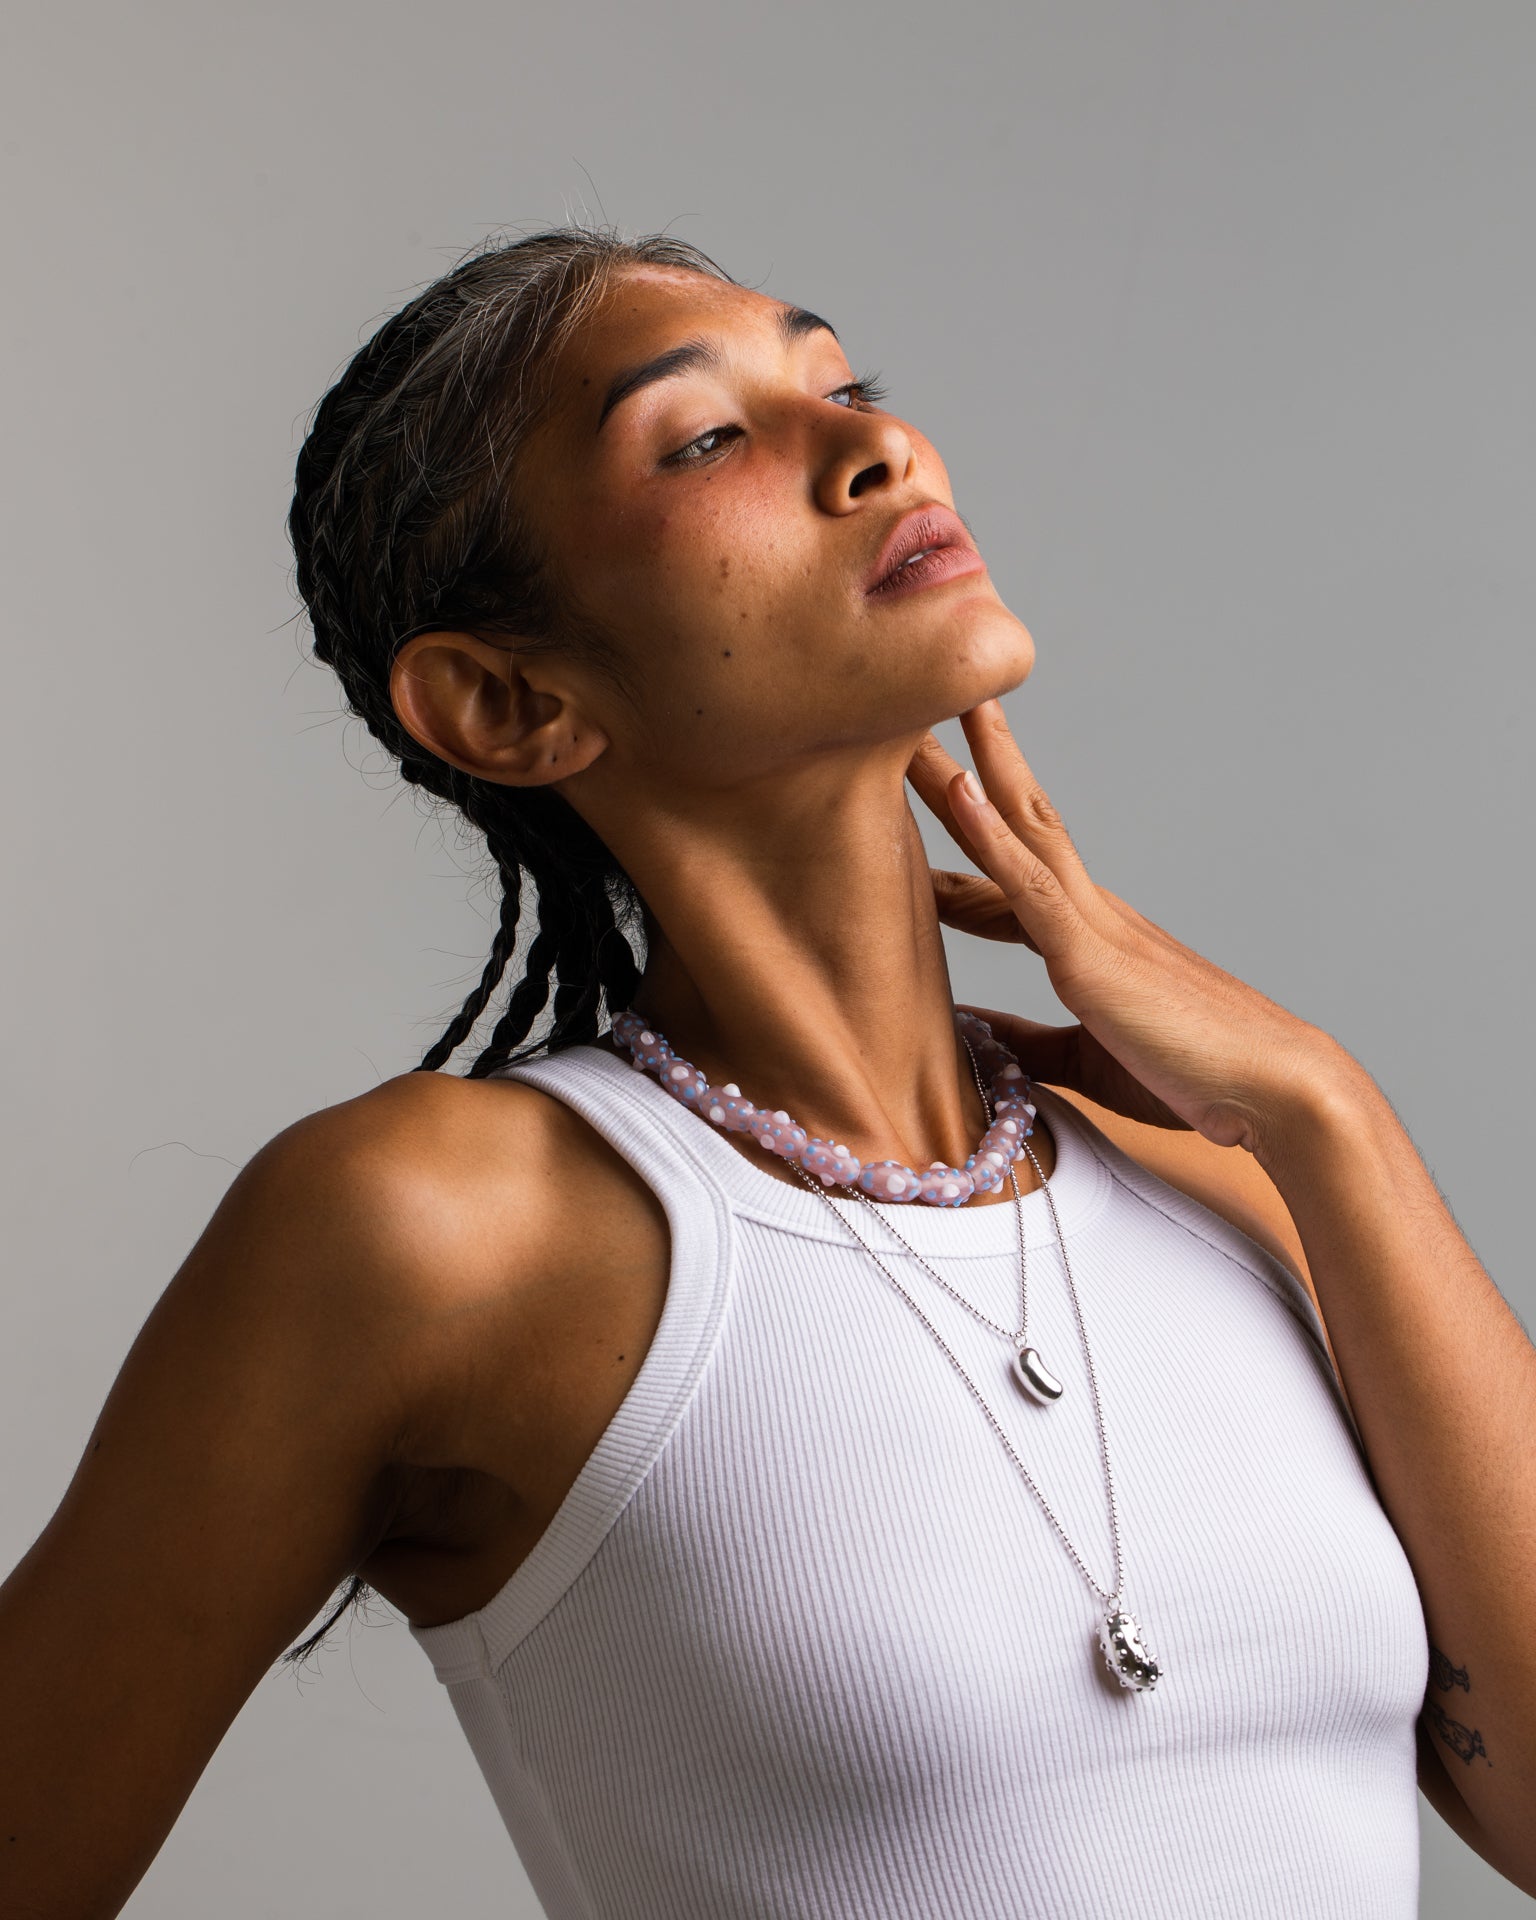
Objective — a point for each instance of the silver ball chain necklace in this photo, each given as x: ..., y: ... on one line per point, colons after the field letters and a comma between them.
x: 1119, y: 1635
x: 1118, y: 1632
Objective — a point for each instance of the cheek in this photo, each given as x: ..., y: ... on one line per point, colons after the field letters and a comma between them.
x: 726, y: 554
x: 716, y: 564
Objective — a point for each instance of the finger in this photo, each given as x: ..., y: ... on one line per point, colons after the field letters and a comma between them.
x: 1021, y: 800
x: 1070, y: 1057
x: 1045, y: 909
x: 931, y: 761
x: 973, y: 904
x: 931, y: 770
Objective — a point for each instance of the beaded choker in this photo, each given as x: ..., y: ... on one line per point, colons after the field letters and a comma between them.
x: 937, y: 1185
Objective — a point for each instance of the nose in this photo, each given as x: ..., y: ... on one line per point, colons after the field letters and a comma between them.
x: 869, y: 453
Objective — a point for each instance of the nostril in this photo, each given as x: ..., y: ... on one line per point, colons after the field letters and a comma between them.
x: 869, y: 477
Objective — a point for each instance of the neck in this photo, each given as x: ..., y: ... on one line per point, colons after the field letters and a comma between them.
x: 804, y: 960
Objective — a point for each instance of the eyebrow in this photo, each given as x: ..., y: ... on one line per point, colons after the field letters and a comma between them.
x: 794, y: 323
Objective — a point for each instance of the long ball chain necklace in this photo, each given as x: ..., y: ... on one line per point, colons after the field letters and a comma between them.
x: 1119, y: 1635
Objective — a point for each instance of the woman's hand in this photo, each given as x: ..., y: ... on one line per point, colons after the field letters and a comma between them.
x: 1163, y: 1036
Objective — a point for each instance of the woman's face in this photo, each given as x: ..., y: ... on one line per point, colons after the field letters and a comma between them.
x: 722, y: 523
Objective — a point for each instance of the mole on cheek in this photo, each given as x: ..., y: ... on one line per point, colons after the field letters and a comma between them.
x: 725, y: 653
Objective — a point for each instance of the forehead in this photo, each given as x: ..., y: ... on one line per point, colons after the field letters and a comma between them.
x: 647, y: 309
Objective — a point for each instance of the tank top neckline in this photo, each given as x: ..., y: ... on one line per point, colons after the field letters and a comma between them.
x: 1079, y: 1184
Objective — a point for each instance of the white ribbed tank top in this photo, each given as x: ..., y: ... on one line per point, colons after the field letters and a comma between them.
x: 800, y: 1642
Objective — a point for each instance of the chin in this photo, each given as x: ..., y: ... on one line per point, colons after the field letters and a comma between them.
x: 944, y: 672
x: 994, y: 657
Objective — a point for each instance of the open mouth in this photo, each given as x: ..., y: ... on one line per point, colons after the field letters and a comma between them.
x: 928, y: 545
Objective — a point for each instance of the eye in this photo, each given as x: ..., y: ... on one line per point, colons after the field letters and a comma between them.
x: 863, y: 394
x: 697, y: 451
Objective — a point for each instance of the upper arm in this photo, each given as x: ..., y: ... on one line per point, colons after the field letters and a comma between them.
x: 238, y: 1470
x: 1439, y: 1788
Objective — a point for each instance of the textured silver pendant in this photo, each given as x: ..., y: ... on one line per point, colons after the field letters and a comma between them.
x: 1029, y: 1369
x: 1127, y: 1659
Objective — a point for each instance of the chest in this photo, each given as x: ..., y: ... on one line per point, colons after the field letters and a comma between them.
x: 801, y: 1600
x: 837, y: 1550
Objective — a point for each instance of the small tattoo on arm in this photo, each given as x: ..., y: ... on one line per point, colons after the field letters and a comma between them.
x: 1464, y: 1741
x: 1444, y: 1675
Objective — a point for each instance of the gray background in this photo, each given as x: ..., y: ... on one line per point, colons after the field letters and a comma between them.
x: 1221, y: 317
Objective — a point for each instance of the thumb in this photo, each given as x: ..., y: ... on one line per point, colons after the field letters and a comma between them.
x: 1071, y: 1057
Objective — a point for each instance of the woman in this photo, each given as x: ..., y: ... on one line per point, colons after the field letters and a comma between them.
x: 1123, y: 1532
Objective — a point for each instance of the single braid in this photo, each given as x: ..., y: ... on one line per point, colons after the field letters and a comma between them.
x: 502, y: 947
x: 531, y: 993
x: 578, y: 988
x: 616, y: 967
x: 355, y: 1590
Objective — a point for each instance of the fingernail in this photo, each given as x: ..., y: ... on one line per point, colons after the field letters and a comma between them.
x: 972, y: 788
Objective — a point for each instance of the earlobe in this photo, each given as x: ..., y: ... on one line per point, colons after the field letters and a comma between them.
x: 469, y: 702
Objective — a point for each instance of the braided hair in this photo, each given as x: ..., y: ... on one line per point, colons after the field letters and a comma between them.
x: 405, y: 518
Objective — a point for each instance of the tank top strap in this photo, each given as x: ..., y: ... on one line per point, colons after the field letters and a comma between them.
x: 608, y: 1095
x: 669, y: 1147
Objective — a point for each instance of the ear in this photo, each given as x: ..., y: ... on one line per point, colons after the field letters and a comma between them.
x: 470, y: 702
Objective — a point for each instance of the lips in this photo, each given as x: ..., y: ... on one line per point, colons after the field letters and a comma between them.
x: 931, y: 526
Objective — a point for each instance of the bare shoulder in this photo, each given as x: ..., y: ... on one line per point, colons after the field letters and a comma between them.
x: 315, y: 1340
x: 415, y: 1180
x: 423, y: 1207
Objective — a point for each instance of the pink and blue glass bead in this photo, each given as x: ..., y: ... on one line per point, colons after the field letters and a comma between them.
x: 836, y: 1165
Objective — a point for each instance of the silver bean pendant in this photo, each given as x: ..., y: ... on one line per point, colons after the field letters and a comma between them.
x: 1127, y: 1658
x: 1030, y: 1371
